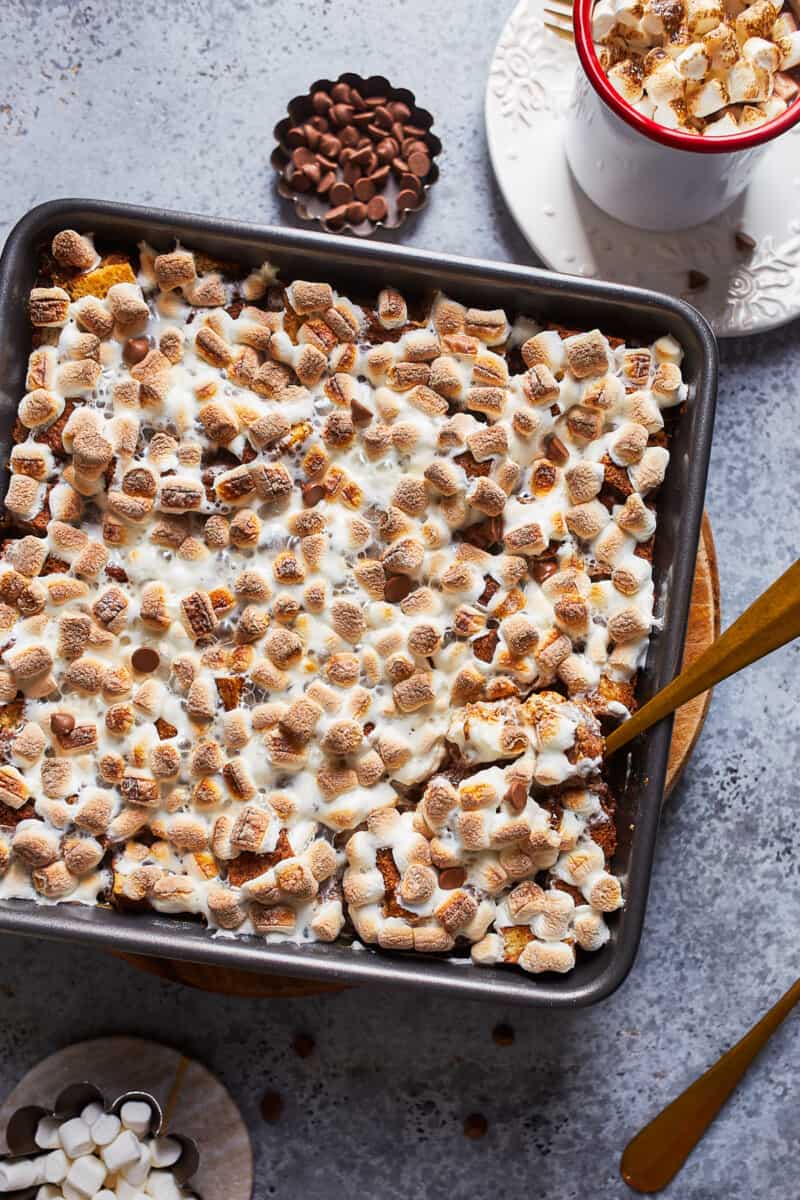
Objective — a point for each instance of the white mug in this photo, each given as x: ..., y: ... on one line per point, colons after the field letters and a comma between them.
x: 643, y: 173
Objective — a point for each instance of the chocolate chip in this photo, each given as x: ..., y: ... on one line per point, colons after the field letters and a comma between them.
x: 336, y: 216
x: 134, y: 350
x: 452, y: 877
x: 517, y: 795
x: 419, y: 163
x: 271, y: 1107
x: 503, y: 1035
x: 387, y: 149
x: 340, y: 93
x: 407, y: 199
x: 321, y: 102
x: 299, y: 181
x: 399, y: 110
x: 326, y: 182
x: 61, y: 724
x: 341, y: 193
x: 356, y: 212
x: 295, y: 137
x: 342, y: 114
x: 697, y: 281
x: 555, y: 450
x: 360, y: 413
x: 364, y: 190
x: 397, y: 587
x: 312, y: 136
x: 543, y: 570
x: 311, y: 171
x: 145, y: 660
x: 409, y: 183
x: 302, y: 155
x: 476, y: 1126
x: 312, y: 494
x: 349, y: 136
x: 377, y: 209
x: 330, y: 145
x: 303, y: 1045
x: 744, y: 241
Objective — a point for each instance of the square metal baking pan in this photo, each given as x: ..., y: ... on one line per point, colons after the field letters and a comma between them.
x: 638, y: 777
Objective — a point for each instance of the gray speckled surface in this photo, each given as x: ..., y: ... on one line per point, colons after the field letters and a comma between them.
x: 174, y: 104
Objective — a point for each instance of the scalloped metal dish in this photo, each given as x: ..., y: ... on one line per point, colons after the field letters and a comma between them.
x: 638, y: 777
x: 298, y: 110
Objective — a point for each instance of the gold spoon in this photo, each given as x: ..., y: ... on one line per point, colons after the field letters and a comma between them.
x: 658, y: 1152
x: 770, y: 621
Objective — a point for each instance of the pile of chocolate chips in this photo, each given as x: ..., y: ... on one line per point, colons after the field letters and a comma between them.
x: 362, y: 157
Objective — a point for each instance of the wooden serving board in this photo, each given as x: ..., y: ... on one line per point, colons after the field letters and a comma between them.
x: 703, y: 629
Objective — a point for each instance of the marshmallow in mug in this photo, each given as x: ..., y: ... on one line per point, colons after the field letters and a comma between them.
x: 700, y: 65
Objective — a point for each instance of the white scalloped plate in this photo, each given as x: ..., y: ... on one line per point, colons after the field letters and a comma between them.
x: 527, y: 95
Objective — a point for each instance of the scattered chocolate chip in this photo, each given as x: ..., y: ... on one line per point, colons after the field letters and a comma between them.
x: 419, y: 163
x: 397, y: 587
x: 312, y: 494
x: 295, y: 137
x: 271, y: 1107
x: 544, y: 569
x: 61, y: 724
x: 299, y: 181
x: 356, y: 212
x: 451, y: 877
x: 321, y: 102
x: 336, y: 216
x: 303, y: 1045
x: 340, y: 193
x: 517, y: 795
x: 145, y: 660
x: 697, y: 281
x: 555, y: 450
x: 301, y: 156
x: 134, y: 350
x: 503, y: 1035
x: 475, y: 1126
x: 360, y: 413
x: 340, y: 93
x: 364, y: 189
x: 744, y: 241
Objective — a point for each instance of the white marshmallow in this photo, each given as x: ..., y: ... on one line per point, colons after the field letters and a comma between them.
x: 747, y: 82
x: 762, y: 53
x: 105, y: 1194
x: 137, y: 1172
x: 128, y: 1191
x: 709, y: 98
x: 672, y: 115
x: 76, y: 1137
x: 87, y: 1175
x: 46, y: 1136
x: 722, y: 127
x: 48, y: 1192
x: 21, y: 1173
x: 789, y: 48
x: 162, y: 1186
x: 105, y: 1129
x: 56, y: 1165
x: 627, y: 12
x: 123, y: 1151
x: 136, y: 1115
x: 652, y: 20
x: 646, y: 107
x: 693, y: 62
x: 165, y: 1151
x: 91, y: 1113
x: 751, y: 117
x: 603, y: 20
x: 71, y: 1193
x: 783, y: 27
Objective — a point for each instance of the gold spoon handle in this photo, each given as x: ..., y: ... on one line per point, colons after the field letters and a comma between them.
x: 770, y: 621
x: 658, y: 1152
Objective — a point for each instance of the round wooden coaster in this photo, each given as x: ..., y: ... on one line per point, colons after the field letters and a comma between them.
x: 193, y: 1101
x: 703, y: 629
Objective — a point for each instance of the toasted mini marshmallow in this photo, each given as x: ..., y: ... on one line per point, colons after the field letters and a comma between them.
x: 762, y: 53
x: 662, y: 80
x: 774, y: 107
x: 702, y: 15
x: 693, y: 62
x: 628, y: 12
x: 789, y: 49
x: 603, y: 19
x: 722, y: 47
x: 709, y: 98
x: 750, y: 117
x: 626, y: 77
x: 722, y: 127
x: 757, y: 20
x: 673, y: 115
x: 748, y: 83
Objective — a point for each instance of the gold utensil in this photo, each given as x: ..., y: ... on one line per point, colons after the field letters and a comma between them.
x: 658, y: 1152
x: 770, y: 621
x: 562, y: 19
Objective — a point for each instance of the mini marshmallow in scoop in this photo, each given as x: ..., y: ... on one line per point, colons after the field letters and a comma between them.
x: 47, y: 1134
x: 162, y: 1186
x: 105, y: 1129
x: 122, y: 1152
x: 56, y: 1165
x: 22, y: 1173
x: 87, y: 1175
x: 92, y: 1113
x: 165, y: 1151
x: 76, y: 1137
x: 136, y: 1116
